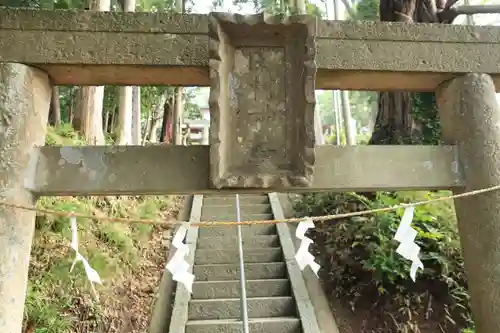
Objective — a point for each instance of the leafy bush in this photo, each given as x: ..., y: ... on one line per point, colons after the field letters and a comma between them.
x: 359, y: 256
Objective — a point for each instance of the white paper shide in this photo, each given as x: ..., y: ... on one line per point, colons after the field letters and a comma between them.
x: 178, y: 265
x: 92, y: 274
x: 407, y: 247
x: 303, y: 256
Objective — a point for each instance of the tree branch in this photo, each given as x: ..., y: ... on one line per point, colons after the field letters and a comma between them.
x: 449, y: 14
x: 471, y: 10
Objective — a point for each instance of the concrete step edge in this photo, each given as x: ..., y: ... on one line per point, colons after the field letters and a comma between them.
x: 229, y: 308
x: 218, y: 300
x: 225, y: 289
x: 228, y: 272
x: 249, y: 249
x: 232, y: 281
x: 276, y: 263
x: 237, y: 321
x: 242, y: 206
x: 246, y: 238
x: 260, y: 325
x: 228, y: 256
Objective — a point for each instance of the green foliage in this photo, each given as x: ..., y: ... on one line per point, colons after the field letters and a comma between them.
x: 361, y: 259
x: 63, y: 136
x: 59, y: 301
x: 425, y: 112
x: 55, y: 296
x: 367, y: 10
x: 274, y: 6
x: 424, y: 109
x: 191, y: 108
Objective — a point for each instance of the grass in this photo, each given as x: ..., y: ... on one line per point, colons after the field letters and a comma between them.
x: 128, y: 258
x: 54, y: 294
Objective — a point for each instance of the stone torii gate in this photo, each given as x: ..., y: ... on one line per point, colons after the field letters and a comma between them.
x: 264, y: 146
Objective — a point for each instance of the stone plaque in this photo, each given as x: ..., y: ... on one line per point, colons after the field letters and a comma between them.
x: 262, y: 75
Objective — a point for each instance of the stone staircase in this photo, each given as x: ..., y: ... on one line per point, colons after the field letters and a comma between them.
x: 214, y: 306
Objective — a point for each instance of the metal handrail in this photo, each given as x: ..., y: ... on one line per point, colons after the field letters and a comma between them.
x: 243, y: 288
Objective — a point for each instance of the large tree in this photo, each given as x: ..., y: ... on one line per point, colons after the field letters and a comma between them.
x: 404, y: 117
x: 395, y: 123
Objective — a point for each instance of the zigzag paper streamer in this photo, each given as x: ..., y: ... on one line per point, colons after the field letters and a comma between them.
x: 407, y: 247
x: 303, y: 256
x: 92, y: 274
x: 178, y: 265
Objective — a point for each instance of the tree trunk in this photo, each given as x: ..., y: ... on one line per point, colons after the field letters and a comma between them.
x: 153, y: 118
x: 177, y: 111
x: 112, y: 122
x: 136, y: 115
x: 126, y: 110
x: 77, y: 110
x: 350, y: 137
x: 394, y: 124
x: 106, y: 120
x: 91, y: 104
x: 55, y: 108
x: 167, y: 128
x: 147, y: 126
x: 124, y: 128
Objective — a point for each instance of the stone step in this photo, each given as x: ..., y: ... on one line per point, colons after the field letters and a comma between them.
x: 231, y: 289
x: 254, y: 271
x: 229, y: 308
x: 247, y: 230
x: 257, y: 325
x: 232, y: 217
x: 252, y: 241
x: 231, y: 199
x: 203, y: 257
x: 218, y: 210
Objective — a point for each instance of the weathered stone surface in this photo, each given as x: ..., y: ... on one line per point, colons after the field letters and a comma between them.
x: 231, y: 242
x: 231, y: 216
x: 84, y: 48
x: 24, y: 104
x: 230, y: 308
x: 232, y: 289
x: 261, y: 325
x: 78, y: 20
x: 247, y: 230
x: 470, y: 117
x: 227, y: 256
x: 262, y: 73
x: 210, y: 211
x: 218, y: 198
x: 182, y: 170
x: 423, y: 56
x: 224, y: 272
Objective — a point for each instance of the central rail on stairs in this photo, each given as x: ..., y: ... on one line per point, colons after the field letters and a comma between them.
x: 243, y: 288
x: 246, y: 276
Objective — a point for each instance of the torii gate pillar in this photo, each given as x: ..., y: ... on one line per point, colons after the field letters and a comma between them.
x: 24, y: 104
x: 470, y: 118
